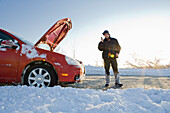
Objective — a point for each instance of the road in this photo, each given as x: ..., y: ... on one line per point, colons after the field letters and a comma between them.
x: 97, y: 82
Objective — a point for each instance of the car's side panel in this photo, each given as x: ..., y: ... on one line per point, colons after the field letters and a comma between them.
x: 9, y: 58
x: 55, y: 59
x: 8, y: 64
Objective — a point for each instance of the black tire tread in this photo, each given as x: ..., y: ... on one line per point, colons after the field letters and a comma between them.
x: 49, y: 69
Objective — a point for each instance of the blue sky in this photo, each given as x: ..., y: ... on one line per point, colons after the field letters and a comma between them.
x: 139, y: 25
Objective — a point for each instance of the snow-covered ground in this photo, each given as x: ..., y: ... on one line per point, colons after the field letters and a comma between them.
x: 17, y: 99
x: 23, y: 99
x: 92, y: 70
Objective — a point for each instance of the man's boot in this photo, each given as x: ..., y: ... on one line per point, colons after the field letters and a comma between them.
x: 107, y: 80
x: 117, y: 81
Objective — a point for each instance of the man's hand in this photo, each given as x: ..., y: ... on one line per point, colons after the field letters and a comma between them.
x: 101, y: 39
x: 117, y: 55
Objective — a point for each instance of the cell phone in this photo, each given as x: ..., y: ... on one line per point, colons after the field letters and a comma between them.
x: 101, y: 39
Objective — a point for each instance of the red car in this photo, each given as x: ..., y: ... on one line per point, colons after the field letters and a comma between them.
x: 23, y: 63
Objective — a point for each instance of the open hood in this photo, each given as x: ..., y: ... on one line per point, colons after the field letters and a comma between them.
x: 56, y: 33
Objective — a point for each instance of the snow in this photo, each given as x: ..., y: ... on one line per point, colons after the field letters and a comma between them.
x: 17, y: 48
x: 57, y: 63
x: 3, y: 49
x: 16, y: 99
x: 92, y: 70
x: 31, y: 52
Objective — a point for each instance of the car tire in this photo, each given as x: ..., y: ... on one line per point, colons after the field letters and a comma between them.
x: 40, y: 75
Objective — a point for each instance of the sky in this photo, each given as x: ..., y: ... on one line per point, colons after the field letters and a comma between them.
x: 142, y: 27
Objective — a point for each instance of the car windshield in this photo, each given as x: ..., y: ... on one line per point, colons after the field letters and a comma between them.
x: 22, y: 39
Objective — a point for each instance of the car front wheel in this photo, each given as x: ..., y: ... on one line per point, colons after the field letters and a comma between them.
x: 40, y: 76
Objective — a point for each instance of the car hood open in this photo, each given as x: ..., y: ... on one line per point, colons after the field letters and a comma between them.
x: 56, y: 33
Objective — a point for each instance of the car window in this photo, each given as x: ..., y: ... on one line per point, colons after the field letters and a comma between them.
x: 4, y: 36
x: 22, y: 39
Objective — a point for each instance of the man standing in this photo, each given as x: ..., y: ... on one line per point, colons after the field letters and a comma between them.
x: 111, y: 50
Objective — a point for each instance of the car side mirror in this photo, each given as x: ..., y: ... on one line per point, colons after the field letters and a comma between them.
x: 9, y: 44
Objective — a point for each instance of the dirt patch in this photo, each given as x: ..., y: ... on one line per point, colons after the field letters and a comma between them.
x: 98, y: 82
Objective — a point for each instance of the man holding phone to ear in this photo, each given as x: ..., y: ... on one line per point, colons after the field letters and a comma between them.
x: 111, y: 50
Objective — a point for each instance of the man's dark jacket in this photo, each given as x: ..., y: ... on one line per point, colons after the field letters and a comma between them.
x: 111, y: 46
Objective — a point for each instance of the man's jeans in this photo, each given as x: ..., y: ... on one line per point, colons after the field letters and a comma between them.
x: 113, y: 63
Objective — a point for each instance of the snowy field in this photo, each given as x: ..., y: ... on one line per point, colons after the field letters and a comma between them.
x: 23, y: 99
x: 92, y: 70
x: 91, y: 98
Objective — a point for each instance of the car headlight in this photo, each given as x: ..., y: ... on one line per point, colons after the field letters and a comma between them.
x: 72, y: 61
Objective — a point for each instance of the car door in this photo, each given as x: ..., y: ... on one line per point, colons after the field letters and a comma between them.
x: 9, y: 58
